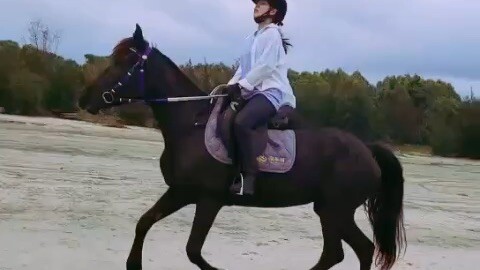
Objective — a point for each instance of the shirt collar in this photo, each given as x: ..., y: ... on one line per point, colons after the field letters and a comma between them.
x: 270, y: 25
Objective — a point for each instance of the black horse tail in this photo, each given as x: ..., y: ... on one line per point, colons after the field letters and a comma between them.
x: 385, y: 208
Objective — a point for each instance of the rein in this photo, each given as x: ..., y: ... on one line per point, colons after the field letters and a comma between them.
x: 109, y: 96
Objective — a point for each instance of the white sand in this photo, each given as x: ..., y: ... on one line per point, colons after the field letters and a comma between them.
x: 71, y: 193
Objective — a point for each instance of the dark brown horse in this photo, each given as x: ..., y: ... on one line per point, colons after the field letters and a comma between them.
x: 333, y: 169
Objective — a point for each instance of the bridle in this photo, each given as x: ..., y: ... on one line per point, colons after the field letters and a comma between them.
x: 109, y: 96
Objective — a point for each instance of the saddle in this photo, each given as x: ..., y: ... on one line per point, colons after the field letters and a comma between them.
x: 275, y: 142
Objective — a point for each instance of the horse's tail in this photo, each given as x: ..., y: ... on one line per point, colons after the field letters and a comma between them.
x: 385, y: 208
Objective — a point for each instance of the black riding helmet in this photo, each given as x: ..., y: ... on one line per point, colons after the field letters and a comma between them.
x: 280, y: 6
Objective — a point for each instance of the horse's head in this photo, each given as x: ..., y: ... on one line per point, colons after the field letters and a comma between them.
x: 132, y: 63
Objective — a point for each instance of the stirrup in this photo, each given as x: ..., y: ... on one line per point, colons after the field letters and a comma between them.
x: 241, y: 185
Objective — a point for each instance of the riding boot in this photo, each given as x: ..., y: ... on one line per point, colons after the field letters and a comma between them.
x: 250, y: 120
x: 249, y: 184
x: 249, y: 165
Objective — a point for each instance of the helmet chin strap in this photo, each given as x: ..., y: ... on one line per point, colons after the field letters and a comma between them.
x: 263, y: 17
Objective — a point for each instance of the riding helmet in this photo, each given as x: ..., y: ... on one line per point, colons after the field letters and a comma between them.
x: 280, y: 6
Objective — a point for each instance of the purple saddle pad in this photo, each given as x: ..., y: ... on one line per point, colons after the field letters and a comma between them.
x: 279, y: 153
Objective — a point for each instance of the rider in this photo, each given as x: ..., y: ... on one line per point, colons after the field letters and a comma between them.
x: 261, y: 79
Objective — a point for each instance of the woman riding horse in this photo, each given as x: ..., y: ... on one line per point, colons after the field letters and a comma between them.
x: 261, y: 80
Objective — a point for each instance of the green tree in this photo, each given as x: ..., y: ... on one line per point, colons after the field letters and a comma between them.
x: 442, y: 117
x: 27, y: 90
x: 469, y: 130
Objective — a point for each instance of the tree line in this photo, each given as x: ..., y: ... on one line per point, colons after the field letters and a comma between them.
x: 405, y: 109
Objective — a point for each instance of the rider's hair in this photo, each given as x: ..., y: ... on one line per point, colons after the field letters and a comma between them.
x: 285, y: 41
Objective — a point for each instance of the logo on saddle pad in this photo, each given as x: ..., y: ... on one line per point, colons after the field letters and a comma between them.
x: 272, y: 159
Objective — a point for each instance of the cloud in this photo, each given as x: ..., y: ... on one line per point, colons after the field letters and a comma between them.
x: 433, y: 38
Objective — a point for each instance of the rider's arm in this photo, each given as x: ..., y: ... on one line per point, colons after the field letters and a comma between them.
x: 236, y: 77
x: 271, y: 45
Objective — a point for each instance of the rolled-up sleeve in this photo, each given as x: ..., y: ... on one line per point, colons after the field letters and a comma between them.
x: 270, y: 45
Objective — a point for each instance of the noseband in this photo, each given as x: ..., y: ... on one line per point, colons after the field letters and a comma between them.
x: 109, y: 96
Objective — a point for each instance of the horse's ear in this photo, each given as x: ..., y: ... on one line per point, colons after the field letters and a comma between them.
x: 138, y: 38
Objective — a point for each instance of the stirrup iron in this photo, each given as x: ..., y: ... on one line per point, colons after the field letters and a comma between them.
x: 241, y: 185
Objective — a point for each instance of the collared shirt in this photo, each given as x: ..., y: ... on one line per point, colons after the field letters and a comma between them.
x: 263, y: 68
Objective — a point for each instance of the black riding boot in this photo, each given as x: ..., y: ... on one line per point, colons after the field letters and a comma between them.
x: 248, y: 164
x: 254, y: 114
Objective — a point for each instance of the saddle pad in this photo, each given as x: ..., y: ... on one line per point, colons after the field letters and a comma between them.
x: 278, y: 156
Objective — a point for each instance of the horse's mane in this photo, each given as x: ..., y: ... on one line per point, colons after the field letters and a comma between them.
x: 122, y: 48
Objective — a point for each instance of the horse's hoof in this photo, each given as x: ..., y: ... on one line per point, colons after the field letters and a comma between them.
x: 134, y: 266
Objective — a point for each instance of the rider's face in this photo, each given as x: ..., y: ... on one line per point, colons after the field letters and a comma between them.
x: 261, y: 7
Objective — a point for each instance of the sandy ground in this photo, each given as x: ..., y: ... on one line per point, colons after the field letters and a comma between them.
x: 71, y: 193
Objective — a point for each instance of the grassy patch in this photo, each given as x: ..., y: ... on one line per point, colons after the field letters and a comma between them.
x: 423, y: 150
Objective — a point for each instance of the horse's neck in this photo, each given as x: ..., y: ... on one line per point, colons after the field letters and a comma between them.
x: 177, y: 120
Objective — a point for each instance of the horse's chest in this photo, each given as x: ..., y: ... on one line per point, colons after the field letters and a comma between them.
x: 189, y: 162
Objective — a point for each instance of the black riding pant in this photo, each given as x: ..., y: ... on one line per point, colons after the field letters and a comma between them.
x: 257, y: 112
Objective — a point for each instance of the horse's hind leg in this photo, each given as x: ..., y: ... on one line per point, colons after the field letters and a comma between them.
x: 169, y: 203
x: 338, y: 224
x: 359, y: 242
x: 331, y: 229
x: 205, y: 214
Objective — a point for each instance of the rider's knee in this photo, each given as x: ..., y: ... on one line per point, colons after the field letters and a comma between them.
x: 241, y: 123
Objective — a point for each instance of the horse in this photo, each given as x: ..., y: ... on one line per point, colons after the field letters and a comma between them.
x: 333, y: 169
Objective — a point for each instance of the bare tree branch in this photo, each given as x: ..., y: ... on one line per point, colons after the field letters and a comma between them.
x: 42, y: 38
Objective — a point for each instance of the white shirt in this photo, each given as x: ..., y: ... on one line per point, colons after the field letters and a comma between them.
x: 263, y: 65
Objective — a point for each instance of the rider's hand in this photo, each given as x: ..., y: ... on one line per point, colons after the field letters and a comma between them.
x: 234, y: 91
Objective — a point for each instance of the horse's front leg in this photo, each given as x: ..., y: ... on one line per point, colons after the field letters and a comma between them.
x: 205, y: 214
x: 169, y: 203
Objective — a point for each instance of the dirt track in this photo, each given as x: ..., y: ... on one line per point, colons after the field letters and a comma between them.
x: 71, y: 193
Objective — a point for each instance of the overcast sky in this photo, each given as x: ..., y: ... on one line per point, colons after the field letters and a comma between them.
x: 437, y: 39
